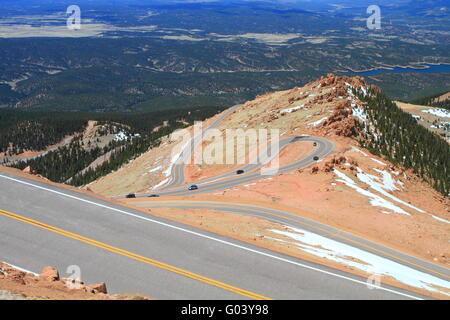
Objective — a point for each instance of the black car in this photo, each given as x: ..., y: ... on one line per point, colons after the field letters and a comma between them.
x: 239, y: 171
x: 193, y: 187
x: 316, y: 158
x: 153, y: 195
x: 131, y: 195
x: 315, y: 144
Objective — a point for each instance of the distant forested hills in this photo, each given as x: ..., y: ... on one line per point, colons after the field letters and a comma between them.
x: 35, y: 130
x: 66, y: 162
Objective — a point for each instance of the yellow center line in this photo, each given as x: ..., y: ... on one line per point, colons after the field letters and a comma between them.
x: 227, y: 206
x: 134, y: 256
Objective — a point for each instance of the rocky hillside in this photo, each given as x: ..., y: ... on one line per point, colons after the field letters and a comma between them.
x: 348, y: 107
x: 16, y: 284
x: 333, y: 106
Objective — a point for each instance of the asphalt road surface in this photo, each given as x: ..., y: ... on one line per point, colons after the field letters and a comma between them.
x: 134, y: 252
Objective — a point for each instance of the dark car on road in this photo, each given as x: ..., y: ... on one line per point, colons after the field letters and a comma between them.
x: 316, y: 158
x: 240, y: 171
x: 315, y: 144
x: 131, y: 195
x: 153, y: 195
x: 193, y: 187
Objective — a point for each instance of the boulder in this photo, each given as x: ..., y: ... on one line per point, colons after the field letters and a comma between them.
x: 99, y: 287
x: 49, y: 274
x: 27, y: 170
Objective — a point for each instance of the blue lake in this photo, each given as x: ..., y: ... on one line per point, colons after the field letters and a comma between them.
x: 428, y: 68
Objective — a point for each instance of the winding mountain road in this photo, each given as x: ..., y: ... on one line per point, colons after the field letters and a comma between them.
x: 177, y: 170
x: 132, y: 251
x: 251, y: 172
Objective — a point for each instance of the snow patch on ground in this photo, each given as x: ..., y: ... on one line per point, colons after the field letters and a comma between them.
x: 374, y: 199
x: 439, y: 112
x: 160, y: 184
x: 316, y: 123
x: 440, y: 219
x: 383, y: 188
x: 155, y: 169
x: 363, y: 260
x: 175, y: 158
x: 359, y: 113
x: 168, y: 171
x: 248, y: 185
x: 378, y: 161
x: 121, y: 136
x: 364, y: 91
x: 289, y: 110
x: 357, y: 150
x: 388, y: 181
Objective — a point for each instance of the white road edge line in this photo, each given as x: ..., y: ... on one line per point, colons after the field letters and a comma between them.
x: 20, y: 269
x: 209, y: 237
